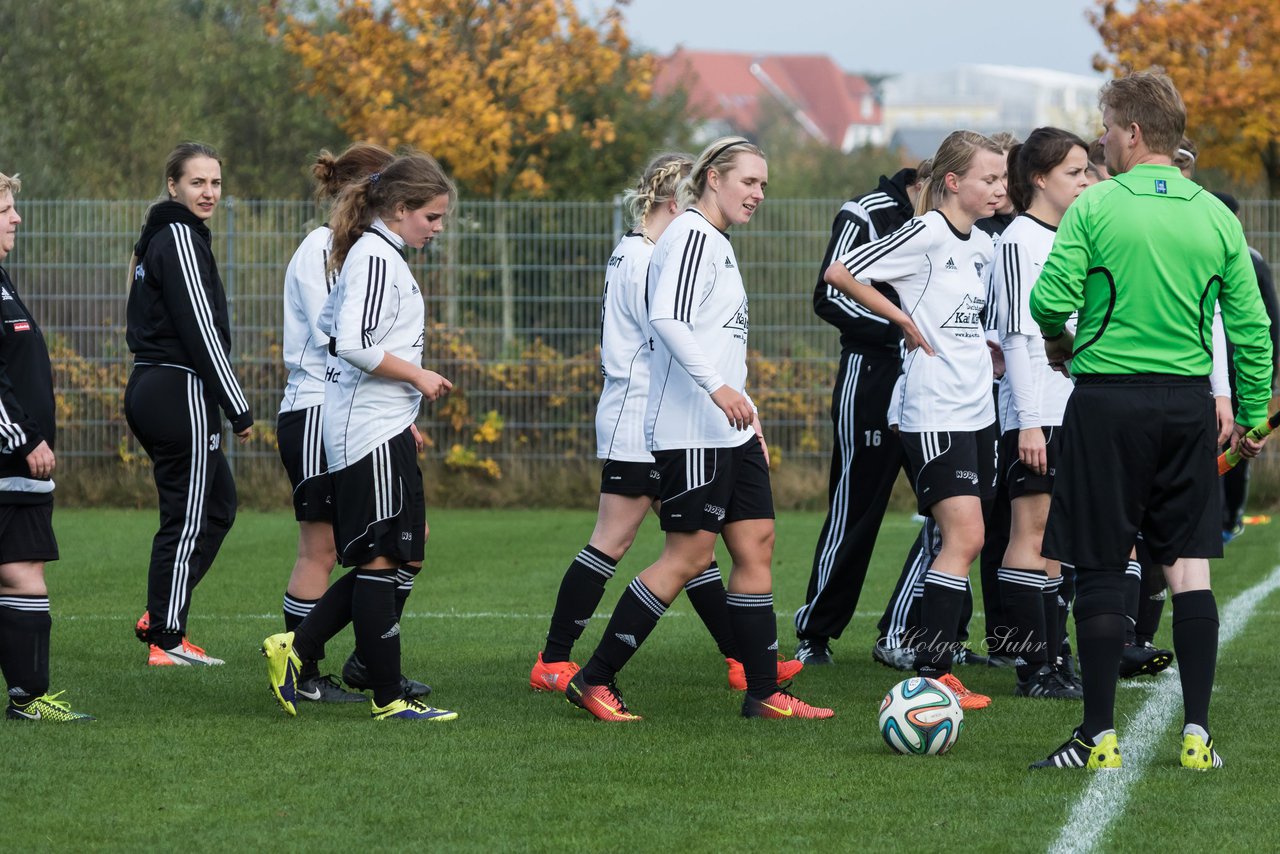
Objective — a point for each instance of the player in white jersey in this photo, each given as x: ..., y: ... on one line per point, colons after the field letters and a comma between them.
x: 629, y: 480
x: 947, y: 424
x: 1046, y: 174
x: 298, y: 427
x: 704, y: 434
x: 375, y: 320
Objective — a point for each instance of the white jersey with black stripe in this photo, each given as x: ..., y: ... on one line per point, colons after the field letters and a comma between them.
x: 1031, y: 394
x: 938, y: 274
x: 306, y: 348
x: 624, y: 354
x: 376, y: 303
x: 694, y: 278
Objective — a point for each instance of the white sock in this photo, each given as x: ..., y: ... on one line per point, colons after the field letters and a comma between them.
x: 1196, y: 729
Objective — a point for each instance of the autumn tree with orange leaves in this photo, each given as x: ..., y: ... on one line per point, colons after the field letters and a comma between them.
x: 486, y: 86
x: 1223, y: 55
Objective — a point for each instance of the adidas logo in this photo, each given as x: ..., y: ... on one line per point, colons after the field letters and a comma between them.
x: 392, y: 632
x: 582, y: 623
x: 951, y: 264
x: 773, y: 647
x: 629, y: 640
x: 728, y: 263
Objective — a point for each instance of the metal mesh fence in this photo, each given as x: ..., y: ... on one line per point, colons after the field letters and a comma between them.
x: 512, y: 292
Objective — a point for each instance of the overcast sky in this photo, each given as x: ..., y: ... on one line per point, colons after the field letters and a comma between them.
x: 877, y: 36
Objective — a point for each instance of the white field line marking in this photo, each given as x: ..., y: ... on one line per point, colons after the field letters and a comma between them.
x: 1103, y: 801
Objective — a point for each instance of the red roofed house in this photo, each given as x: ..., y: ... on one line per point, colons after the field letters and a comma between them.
x: 728, y: 90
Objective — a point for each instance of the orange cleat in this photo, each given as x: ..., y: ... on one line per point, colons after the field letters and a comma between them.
x: 738, y: 677
x: 142, y: 629
x: 968, y: 699
x: 782, y: 704
x: 551, y: 676
x: 603, y: 701
x: 185, y: 653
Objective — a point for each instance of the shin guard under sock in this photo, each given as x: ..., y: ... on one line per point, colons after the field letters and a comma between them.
x: 940, y: 607
x: 25, y: 625
x: 1022, y: 597
x: 329, y: 615
x: 377, y: 630
x: 1100, y: 626
x: 580, y: 592
x: 1195, y: 643
x: 295, y: 611
x: 636, y: 615
x: 756, y: 629
x: 707, y: 596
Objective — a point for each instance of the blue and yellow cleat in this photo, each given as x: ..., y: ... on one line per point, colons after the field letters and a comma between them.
x: 1198, y: 754
x: 1079, y: 752
x: 283, y: 666
x: 409, y: 709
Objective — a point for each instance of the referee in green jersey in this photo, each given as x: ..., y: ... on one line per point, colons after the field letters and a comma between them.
x: 1143, y: 258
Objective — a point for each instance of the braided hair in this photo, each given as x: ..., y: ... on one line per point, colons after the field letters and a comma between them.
x: 657, y: 185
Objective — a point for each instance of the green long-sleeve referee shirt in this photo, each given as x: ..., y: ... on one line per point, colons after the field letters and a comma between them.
x: 1144, y: 257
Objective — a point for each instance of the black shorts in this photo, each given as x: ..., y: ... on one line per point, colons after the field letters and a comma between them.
x: 26, y: 533
x: 302, y: 452
x: 704, y: 489
x: 946, y: 464
x: 1138, y: 455
x: 1019, y: 479
x: 623, y: 478
x: 380, y: 509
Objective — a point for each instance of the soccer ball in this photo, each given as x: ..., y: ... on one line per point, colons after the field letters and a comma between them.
x: 920, y: 715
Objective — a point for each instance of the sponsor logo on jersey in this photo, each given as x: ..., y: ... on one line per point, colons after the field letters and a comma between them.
x: 616, y: 260
x: 965, y: 474
x: 966, y: 317
x: 22, y: 326
x: 714, y: 510
x: 331, y: 375
x: 951, y: 264
x: 739, y: 320
x: 728, y: 263
x: 1162, y: 187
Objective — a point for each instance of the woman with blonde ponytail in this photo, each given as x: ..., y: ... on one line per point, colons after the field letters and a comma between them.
x: 374, y: 324
x: 629, y: 480
x: 936, y: 263
x: 711, y: 464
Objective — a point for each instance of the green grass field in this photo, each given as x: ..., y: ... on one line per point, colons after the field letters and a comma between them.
x: 202, y: 759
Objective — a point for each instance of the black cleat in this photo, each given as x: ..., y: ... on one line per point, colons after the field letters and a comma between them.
x: 897, y: 657
x: 356, y: 675
x: 1143, y: 661
x: 1046, y: 684
x: 814, y: 653
x: 969, y: 658
x: 1079, y: 752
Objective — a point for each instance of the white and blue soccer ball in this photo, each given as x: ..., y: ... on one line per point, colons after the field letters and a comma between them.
x: 921, y: 716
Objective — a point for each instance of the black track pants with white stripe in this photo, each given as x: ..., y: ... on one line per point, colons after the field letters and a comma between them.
x: 180, y: 428
x: 864, y: 465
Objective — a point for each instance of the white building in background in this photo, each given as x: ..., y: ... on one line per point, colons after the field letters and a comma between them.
x: 921, y: 108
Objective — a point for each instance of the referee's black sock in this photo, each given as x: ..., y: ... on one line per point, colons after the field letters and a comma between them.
x: 580, y: 592
x: 1195, y: 642
x: 329, y: 615
x: 373, y: 616
x: 1132, y: 591
x: 405, y: 576
x: 707, y: 596
x: 939, y: 619
x: 297, y: 609
x: 1049, y: 601
x: 637, y: 613
x: 1100, y: 623
x: 756, y: 629
x: 1022, y: 597
x: 24, y: 646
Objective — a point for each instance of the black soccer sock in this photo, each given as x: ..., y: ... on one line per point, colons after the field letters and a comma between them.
x: 1132, y: 592
x: 24, y: 646
x: 939, y: 619
x: 1022, y: 598
x: 756, y: 629
x: 1066, y: 598
x: 1100, y: 623
x: 373, y: 616
x: 637, y: 613
x: 1151, y: 603
x: 580, y: 592
x: 1049, y: 601
x: 329, y: 615
x: 404, y: 586
x: 707, y: 596
x: 1195, y: 642
x: 295, y: 611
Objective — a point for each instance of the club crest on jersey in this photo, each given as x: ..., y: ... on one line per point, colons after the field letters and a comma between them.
x: 966, y: 317
x: 978, y: 265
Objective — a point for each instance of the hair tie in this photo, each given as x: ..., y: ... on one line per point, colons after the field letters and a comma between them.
x: 375, y: 177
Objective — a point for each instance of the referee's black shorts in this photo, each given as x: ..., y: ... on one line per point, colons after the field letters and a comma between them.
x: 380, y: 507
x: 1139, y: 454
x: 302, y: 452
